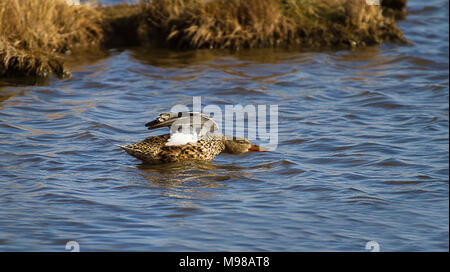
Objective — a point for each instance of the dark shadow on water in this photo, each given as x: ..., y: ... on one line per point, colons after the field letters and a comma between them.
x: 179, y: 172
x: 23, y: 81
x: 167, y: 58
x: 176, y: 167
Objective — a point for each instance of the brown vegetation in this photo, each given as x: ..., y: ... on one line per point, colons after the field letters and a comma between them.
x: 121, y: 24
x: 36, y: 35
x: 218, y: 23
x: 394, y: 8
x: 265, y: 23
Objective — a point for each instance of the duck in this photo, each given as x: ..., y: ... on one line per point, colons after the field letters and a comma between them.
x: 191, y: 138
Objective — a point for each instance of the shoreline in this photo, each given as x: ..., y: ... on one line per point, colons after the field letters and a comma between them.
x: 45, y: 33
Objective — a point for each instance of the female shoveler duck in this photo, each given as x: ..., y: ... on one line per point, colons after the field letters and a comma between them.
x: 195, y: 143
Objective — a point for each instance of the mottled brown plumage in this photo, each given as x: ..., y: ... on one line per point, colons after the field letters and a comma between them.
x: 155, y: 149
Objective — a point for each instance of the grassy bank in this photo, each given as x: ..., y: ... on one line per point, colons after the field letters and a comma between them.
x: 36, y: 35
x: 239, y: 24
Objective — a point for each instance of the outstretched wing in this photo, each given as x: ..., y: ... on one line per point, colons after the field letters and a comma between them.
x: 193, y: 121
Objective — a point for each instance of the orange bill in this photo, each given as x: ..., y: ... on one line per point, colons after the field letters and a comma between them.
x: 258, y: 148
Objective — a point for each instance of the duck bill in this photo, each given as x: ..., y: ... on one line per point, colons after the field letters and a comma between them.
x: 257, y: 148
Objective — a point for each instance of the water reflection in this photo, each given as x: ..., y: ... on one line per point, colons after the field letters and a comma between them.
x: 184, y: 180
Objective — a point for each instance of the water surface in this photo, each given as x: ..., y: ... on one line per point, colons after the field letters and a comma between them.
x: 362, y: 152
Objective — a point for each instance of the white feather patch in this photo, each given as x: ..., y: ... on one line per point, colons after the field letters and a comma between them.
x: 181, y: 139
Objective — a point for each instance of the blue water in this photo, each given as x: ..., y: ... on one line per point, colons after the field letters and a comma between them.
x: 362, y: 155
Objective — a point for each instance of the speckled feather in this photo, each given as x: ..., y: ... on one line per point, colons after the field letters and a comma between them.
x: 154, y: 150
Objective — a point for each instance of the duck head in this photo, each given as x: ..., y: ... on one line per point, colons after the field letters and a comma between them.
x: 241, y: 145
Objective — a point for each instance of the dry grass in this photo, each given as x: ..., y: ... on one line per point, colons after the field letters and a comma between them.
x: 35, y: 34
x: 348, y: 23
x: 218, y: 23
x: 265, y: 23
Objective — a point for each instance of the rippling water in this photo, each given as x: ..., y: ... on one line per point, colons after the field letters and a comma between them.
x: 362, y: 153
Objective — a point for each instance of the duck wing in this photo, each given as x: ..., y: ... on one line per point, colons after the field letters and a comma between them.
x: 194, y: 121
